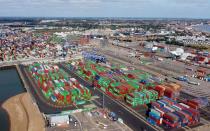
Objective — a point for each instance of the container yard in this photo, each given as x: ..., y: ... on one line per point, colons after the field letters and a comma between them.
x: 57, y: 86
x: 135, y: 86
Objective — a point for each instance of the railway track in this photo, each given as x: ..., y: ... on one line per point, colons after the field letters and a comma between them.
x: 162, y: 56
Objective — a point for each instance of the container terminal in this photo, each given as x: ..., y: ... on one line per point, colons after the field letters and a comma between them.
x: 121, y: 80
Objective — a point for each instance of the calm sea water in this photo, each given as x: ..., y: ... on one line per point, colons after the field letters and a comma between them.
x: 204, y: 28
x: 10, y: 85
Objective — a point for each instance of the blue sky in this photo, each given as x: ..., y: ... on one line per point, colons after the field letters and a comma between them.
x: 106, y: 8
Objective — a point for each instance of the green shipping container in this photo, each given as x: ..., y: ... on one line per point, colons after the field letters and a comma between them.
x: 48, y: 93
x: 133, y: 84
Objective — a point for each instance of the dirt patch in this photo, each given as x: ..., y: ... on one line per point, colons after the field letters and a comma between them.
x: 23, y: 114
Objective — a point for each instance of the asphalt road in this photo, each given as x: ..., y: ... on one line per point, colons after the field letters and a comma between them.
x: 130, y: 118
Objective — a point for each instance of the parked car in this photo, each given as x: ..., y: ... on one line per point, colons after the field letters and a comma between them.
x: 193, y: 83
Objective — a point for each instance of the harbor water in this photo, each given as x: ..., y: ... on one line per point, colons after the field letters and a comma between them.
x: 203, y: 28
x: 10, y: 85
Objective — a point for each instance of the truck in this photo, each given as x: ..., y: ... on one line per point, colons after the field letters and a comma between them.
x: 182, y: 78
x: 113, y: 116
x: 207, y: 78
x: 188, y: 68
x: 160, y: 59
x: 193, y: 83
x: 132, y: 54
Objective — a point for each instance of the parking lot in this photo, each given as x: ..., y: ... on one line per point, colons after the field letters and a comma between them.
x: 87, y: 121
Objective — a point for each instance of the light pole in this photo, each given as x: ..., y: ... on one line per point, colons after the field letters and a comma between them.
x: 103, y: 100
x: 80, y: 125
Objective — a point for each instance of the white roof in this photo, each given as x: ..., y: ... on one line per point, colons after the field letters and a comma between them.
x: 59, y: 119
x: 177, y: 52
x: 185, y: 55
x: 154, y: 48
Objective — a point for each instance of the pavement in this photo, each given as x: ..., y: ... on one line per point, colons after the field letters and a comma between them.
x: 89, y: 122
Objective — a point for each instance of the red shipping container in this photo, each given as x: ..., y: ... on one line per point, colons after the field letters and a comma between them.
x: 169, y: 93
x: 66, y: 83
x: 194, y: 102
x: 39, y: 84
x: 46, y: 71
x: 81, y: 90
x: 68, y: 98
x: 50, y: 84
x: 88, y: 73
x: 160, y: 90
x: 45, y: 89
x: 131, y: 95
x: 56, y: 95
x: 60, y: 97
x: 102, y: 73
x: 44, y: 84
x: 192, y: 105
x: 131, y: 76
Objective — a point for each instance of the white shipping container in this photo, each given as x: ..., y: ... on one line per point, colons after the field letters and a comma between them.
x: 62, y: 80
x: 169, y: 108
x: 182, y: 104
x: 177, y: 107
x: 70, y: 83
x: 161, y: 120
x: 73, y: 63
x: 81, y: 86
x: 56, y: 81
x: 162, y: 103
x: 162, y: 113
x: 44, y: 84
x: 55, y: 67
x: 56, y: 92
x: 72, y: 79
x: 42, y: 68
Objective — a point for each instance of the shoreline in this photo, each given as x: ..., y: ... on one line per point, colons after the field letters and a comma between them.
x: 23, y: 115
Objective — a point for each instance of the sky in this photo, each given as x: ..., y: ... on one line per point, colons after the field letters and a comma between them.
x: 106, y: 8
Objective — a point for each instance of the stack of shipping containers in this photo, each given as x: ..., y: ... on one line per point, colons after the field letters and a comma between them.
x: 57, y: 86
x: 169, y: 113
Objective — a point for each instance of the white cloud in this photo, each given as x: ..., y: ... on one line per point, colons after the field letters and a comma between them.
x: 139, y: 8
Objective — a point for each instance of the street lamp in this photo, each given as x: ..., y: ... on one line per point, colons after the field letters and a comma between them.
x: 103, y: 100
